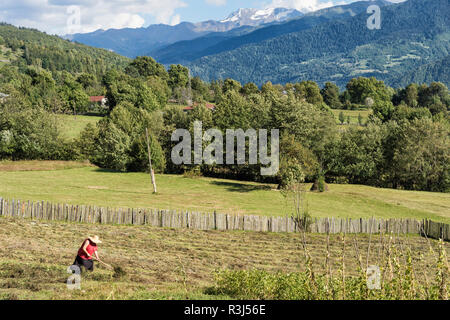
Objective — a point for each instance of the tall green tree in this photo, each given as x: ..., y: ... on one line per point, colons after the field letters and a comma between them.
x: 357, y: 155
x: 146, y: 67
x: 230, y: 84
x: 330, y: 94
x: 120, y: 143
x: 417, y: 155
x: 310, y: 91
x: 73, y: 95
x: 362, y: 88
x: 249, y: 88
x: 121, y: 88
x: 178, y: 76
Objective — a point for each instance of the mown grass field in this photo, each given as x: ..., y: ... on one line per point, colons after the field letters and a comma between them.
x: 71, y: 126
x: 81, y: 183
x: 172, y: 264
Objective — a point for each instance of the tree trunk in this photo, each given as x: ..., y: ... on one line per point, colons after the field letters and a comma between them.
x: 152, y: 173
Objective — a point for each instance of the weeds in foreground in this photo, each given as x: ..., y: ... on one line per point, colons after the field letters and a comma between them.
x: 397, y: 279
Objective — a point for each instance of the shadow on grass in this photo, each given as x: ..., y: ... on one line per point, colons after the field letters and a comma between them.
x: 114, y: 191
x: 93, y: 114
x: 102, y: 170
x: 240, y: 187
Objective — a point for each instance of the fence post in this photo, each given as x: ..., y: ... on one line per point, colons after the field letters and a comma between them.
x: 42, y: 210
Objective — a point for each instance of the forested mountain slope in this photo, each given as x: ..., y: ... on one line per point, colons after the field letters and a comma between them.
x: 32, y: 47
x: 190, y: 50
x: 412, y: 34
x: 434, y: 71
x: 133, y: 42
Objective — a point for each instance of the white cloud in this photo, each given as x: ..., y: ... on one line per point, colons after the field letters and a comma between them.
x: 313, y: 5
x: 306, y: 5
x: 216, y: 2
x: 176, y: 19
x: 52, y: 15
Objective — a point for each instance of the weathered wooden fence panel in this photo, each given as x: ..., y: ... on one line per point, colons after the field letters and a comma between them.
x: 41, y: 210
x: 435, y: 230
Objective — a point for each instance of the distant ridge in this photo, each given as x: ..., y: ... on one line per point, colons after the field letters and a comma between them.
x: 140, y: 41
x: 210, y: 44
x: 413, y: 34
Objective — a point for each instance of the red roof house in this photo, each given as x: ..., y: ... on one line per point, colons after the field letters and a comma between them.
x: 210, y: 106
x: 96, y: 98
x: 102, y: 100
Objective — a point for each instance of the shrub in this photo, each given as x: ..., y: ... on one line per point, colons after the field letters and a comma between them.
x: 30, y: 134
x: 321, y: 183
x: 121, y: 144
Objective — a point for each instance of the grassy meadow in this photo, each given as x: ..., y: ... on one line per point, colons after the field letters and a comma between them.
x: 175, y: 264
x: 71, y: 126
x: 353, y: 114
x: 169, y: 264
x: 82, y: 183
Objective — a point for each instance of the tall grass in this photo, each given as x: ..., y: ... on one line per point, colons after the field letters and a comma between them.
x: 398, y: 278
x: 395, y: 277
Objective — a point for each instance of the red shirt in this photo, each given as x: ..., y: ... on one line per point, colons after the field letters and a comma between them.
x: 91, y: 248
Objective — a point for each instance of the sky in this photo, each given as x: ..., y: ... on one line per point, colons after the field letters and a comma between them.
x: 80, y: 16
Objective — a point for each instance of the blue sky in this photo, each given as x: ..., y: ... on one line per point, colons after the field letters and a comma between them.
x: 70, y: 16
x: 201, y: 10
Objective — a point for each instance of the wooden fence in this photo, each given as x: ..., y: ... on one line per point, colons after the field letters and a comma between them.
x: 42, y: 210
x: 436, y: 230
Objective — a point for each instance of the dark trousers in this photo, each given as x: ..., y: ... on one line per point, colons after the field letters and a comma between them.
x: 87, y: 264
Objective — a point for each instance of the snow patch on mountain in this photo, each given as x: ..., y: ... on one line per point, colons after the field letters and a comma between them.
x: 253, y: 17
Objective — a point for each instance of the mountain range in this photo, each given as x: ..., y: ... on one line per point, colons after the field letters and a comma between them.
x: 132, y: 42
x: 256, y: 17
x: 333, y: 44
x: 413, y: 34
x: 184, y: 52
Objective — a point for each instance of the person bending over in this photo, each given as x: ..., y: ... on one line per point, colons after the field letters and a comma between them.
x: 86, y: 252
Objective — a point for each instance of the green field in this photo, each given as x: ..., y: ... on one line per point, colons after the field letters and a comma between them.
x: 84, y: 184
x: 172, y: 264
x: 353, y: 115
x: 164, y: 263
x: 71, y: 126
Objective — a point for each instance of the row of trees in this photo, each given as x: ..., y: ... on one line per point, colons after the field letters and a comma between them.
x: 405, y: 143
x: 402, y: 145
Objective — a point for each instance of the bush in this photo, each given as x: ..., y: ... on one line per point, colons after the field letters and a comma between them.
x: 321, y: 183
x: 121, y: 144
x: 31, y: 134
